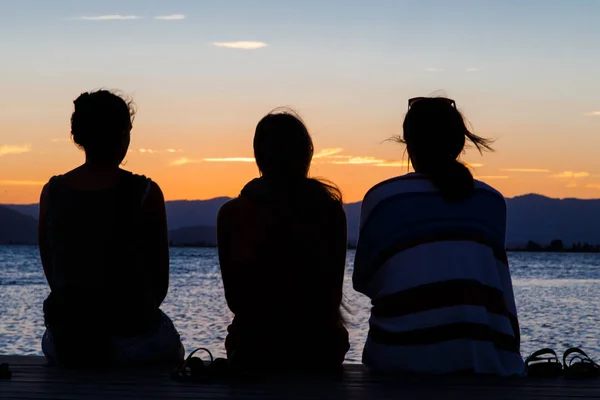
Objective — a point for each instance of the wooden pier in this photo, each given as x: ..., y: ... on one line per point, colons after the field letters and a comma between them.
x: 32, y: 379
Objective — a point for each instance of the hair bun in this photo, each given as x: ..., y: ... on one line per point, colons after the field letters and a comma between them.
x: 82, y: 99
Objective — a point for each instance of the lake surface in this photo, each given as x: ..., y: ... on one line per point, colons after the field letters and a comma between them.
x: 558, y: 299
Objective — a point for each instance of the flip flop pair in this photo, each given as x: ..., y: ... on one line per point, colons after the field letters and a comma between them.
x: 576, y: 364
x: 196, y: 370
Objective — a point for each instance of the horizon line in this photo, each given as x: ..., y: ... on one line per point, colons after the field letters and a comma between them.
x: 345, y: 203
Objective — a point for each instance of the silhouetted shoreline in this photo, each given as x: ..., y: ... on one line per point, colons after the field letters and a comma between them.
x: 585, y: 248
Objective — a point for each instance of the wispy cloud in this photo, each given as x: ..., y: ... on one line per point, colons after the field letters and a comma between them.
x: 183, y: 161
x: 22, y: 183
x: 571, y: 175
x: 593, y: 186
x: 4, y: 149
x: 393, y: 164
x: 571, y: 185
x: 359, y: 160
x: 172, y: 17
x: 593, y: 114
x: 153, y: 151
x: 485, y: 177
x: 433, y: 69
x: 328, y: 152
x: 241, y: 45
x: 472, y: 69
x: 524, y: 170
x: 57, y: 140
x: 475, y: 165
x: 110, y: 17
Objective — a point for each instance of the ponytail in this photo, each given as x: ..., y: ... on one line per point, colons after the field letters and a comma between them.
x: 435, y: 134
x: 454, y: 180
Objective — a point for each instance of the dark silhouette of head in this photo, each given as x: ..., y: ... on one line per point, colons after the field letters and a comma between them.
x: 435, y: 134
x: 283, y: 147
x: 283, y: 150
x: 101, y: 126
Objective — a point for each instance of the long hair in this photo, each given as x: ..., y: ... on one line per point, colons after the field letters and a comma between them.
x: 435, y: 134
x: 283, y: 150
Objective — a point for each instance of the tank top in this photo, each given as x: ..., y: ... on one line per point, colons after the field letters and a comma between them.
x: 96, y: 272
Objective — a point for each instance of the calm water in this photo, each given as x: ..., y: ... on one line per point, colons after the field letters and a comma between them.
x: 558, y: 297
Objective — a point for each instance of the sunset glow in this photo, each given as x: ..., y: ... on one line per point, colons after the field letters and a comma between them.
x: 202, y: 74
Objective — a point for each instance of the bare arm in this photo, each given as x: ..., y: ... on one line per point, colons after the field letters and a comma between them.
x: 236, y: 241
x: 156, y: 245
x: 42, y: 234
x: 336, y: 252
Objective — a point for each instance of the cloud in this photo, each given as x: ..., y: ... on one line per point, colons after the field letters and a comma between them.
x: 328, y: 152
x: 4, y: 149
x: 593, y: 114
x: 184, y: 161
x: 393, y: 164
x: 492, y: 177
x: 172, y: 17
x: 572, y: 185
x: 22, y: 183
x: 571, y: 175
x: 475, y: 165
x: 432, y: 69
x: 153, y: 151
x: 230, y: 159
x: 524, y: 170
x: 593, y: 186
x: 360, y: 160
x: 472, y: 69
x: 111, y: 17
x: 241, y: 45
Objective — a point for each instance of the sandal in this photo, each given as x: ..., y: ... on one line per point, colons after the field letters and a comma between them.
x: 543, y: 367
x: 196, y: 370
x: 579, y: 365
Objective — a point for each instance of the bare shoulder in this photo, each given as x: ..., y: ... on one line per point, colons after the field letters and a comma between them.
x: 154, y: 198
x: 154, y: 190
x: 45, y: 192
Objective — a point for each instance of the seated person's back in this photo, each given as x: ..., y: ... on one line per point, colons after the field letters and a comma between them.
x: 282, y: 246
x: 431, y: 256
x: 104, y: 249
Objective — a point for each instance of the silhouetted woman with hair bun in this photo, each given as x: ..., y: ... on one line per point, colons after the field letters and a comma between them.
x: 282, y: 250
x: 431, y: 256
x: 104, y: 248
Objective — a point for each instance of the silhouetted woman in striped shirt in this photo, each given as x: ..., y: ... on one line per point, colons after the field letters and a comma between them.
x: 431, y: 256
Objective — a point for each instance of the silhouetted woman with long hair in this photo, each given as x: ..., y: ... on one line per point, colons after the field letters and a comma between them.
x: 104, y: 249
x: 282, y: 249
x: 431, y: 256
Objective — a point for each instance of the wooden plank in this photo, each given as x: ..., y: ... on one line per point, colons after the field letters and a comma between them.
x: 32, y: 379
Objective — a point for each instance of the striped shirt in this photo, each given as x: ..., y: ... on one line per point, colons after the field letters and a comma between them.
x: 438, y: 277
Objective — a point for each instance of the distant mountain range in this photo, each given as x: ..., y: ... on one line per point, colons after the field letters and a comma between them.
x: 530, y: 217
x: 16, y: 227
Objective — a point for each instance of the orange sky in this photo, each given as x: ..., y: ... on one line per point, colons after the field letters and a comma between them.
x: 177, y: 153
x: 203, y: 73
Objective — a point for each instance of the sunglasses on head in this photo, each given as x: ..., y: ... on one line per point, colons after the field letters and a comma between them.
x: 414, y: 100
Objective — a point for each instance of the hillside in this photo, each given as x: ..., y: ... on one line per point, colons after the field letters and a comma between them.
x: 530, y: 217
x: 17, y: 228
